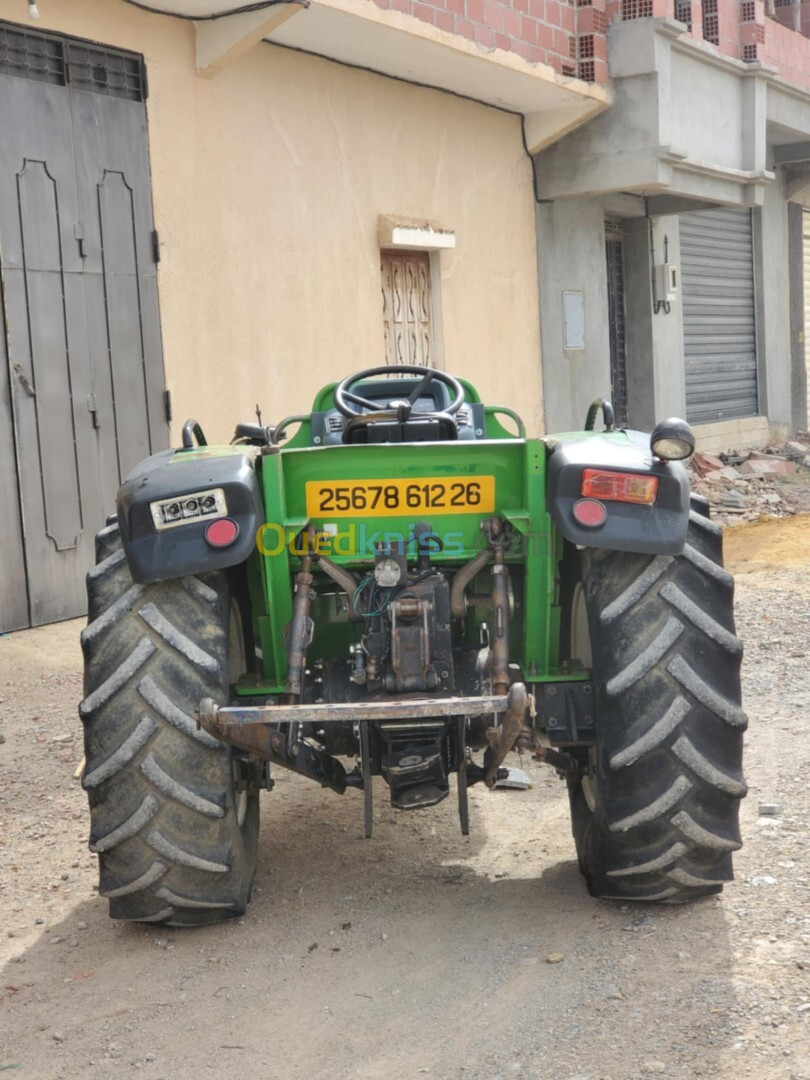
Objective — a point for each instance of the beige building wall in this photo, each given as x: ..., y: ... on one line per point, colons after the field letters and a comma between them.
x: 268, y: 181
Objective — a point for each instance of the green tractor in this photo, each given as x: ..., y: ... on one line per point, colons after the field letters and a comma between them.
x: 406, y: 588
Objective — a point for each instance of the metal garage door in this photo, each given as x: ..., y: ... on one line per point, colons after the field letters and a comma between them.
x: 81, y: 370
x: 719, y: 330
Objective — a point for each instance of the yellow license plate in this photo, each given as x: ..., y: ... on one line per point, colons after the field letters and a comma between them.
x: 385, y: 498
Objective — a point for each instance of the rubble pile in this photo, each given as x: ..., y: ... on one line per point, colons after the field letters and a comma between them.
x: 746, y: 485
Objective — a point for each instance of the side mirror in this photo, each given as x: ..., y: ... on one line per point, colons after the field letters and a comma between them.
x: 672, y: 440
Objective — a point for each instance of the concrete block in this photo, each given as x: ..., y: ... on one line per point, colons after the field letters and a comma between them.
x: 771, y: 467
x: 705, y: 463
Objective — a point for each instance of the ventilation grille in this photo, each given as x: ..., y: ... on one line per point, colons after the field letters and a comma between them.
x: 62, y: 61
x: 637, y: 9
x: 105, y: 71
x: 464, y: 417
x: 31, y: 56
x: 334, y: 423
x: 683, y: 12
x: 586, y: 47
x: 711, y: 22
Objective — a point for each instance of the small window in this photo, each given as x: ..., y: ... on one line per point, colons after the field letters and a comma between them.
x: 407, y: 308
x: 31, y: 56
x: 106, y: 71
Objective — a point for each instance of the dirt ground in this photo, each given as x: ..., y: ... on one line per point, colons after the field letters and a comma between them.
x: 418, y: 952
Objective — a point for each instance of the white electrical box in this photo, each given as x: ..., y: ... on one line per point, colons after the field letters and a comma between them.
x: 573, y: 319
x: 666, y: 281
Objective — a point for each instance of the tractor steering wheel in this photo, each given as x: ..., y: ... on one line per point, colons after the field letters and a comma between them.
x: 351, y: 404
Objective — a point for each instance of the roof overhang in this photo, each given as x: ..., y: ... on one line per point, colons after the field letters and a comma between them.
x: 667, y: 178
x: 388, y: 42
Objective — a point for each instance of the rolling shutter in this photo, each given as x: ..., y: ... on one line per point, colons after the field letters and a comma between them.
x: 719, y: 329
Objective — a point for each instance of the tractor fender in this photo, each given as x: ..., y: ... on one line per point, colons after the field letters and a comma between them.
x: 657, y: 529
x: 157, y: 550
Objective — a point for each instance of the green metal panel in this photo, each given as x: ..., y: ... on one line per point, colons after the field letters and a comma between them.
x: 519, y: 470
x: 355, y: 536
x: 276, y: 577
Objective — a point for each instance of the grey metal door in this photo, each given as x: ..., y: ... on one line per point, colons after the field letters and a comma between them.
x: 81, y: 394
x: 719, y: 329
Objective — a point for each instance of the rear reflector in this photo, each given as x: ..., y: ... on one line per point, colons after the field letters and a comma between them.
x: 618, y: 486
x: 222, y: 532
x: 589, y: 512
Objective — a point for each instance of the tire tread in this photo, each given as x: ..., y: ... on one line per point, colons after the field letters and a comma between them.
x: 668, y: 765
x: 163, y: 805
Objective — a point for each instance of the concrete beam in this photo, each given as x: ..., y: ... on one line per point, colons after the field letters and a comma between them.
x: 797, y: 180
x: 789, y: 108
x: 658, y: 205
x: 622, y: 204
x: 546, y: 127
x: 567, y: 177
x: 221, y: 41
x: 792, y: 152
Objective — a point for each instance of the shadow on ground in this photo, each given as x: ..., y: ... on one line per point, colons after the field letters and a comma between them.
x: 395, y: 957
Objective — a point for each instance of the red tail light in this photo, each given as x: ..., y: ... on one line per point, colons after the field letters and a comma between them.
x: 590, y: 513
x: 222, y: 532
x: 619, y: 486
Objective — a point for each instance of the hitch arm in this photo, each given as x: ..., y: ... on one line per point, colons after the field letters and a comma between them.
x: 505, y: 735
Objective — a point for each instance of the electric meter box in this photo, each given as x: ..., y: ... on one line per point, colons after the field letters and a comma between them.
x: 667, y: 281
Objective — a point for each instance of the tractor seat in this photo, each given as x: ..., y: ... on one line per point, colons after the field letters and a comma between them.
x: 430, y: 418
x: 435, y: 427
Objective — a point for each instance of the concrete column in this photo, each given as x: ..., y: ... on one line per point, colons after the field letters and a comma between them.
x: 571, y: 257
x: 667, y: 357
x: 771, y: 270
x: 753, y: 123
x: 654, y: 341
x: 639, y: 345
x: 798, y: 370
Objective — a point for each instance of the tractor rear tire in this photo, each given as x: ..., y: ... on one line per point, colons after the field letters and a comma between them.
x: 174, y: 815
x: 656, y: 818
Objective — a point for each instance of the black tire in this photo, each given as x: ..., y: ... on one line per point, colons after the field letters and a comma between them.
x: 657, y: 818
x: 176, y: 840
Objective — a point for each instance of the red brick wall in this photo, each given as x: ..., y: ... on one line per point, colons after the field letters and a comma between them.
x: 737, y: 28
x: 787, y: 51
x: 569, y: 36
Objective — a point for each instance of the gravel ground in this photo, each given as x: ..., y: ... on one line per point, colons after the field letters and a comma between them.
x: 419, y: 952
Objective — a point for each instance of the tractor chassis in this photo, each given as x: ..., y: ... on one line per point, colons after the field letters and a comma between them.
x: 273, y: 733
